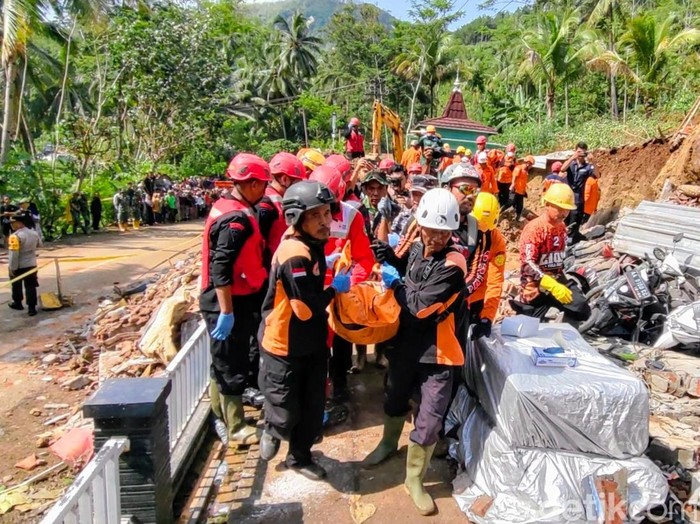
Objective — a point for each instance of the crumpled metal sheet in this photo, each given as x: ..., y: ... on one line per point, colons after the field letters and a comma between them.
x: 595, y: 407
x: 535, y: 486
x: 654, y: 224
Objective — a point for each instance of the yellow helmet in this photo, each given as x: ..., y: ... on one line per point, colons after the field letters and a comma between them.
x: 486, y: 211
x: 430, y: 129
x: 468, y: 152
x: 461, y: 150
x: 560, y: 195
x: 311, y: 158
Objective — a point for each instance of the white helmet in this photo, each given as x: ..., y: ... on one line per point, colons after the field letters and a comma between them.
x: 482, y: 158
x: 438, y: 209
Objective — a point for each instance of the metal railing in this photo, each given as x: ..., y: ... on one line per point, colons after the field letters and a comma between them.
x: 189, y: 374
x: 94, y: 495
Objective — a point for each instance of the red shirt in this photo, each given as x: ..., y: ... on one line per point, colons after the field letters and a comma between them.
x: 542, y: 248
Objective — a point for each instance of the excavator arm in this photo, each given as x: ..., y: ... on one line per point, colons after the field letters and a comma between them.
x: 382, y: 115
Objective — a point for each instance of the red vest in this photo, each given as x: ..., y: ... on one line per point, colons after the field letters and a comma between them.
x: 249, y: 275
x: 355, y: 143
x: 280, y: 225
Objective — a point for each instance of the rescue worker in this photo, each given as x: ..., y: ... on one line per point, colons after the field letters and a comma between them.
x: 578, y: 169
x: 542, y: 245
x: 486, y: 266
x: 480, y: 147
x: 76, y: 214
x: 311, y: 159
x: 22, y: 246
x: 386, y: 165
x: 504, y: 178
x: 121, y: 209
x: 295, y: 330
x: 415, y: 169
x: 464, y: 183
x: 136, y: 206
x: 411, y: 155
x: 431, y: 163
x: 232, y: 275
x: 430, y: 341
x: 445, y: 160
x: 354, y: 141
x: 430, y: 139
x: 487, y: 173
x: 286, y: 170
x: 521, y: 174
x: 347, y: 225
x: 556, y: 176
x: 461, y: 150
x: 591, y: 198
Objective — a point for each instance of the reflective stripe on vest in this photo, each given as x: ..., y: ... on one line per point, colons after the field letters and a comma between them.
x: 340, y: 228
x: 249, y: 275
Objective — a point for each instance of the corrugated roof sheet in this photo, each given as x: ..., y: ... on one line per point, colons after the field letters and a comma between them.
x: 654, y: 224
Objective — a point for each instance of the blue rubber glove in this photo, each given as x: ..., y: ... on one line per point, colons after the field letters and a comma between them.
x: 390, y: 275
x: 224, y: 325
x: 331, y: 259
x: 394, y: 239
x: 341, y: 282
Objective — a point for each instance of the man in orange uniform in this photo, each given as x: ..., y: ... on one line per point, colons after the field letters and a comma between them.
x: 521, y: 174
x: 487, y: 173
x: 542, y: 248
x: 504, y: 178
x: 293, y: 337
x: 591, y: 197
x: 232, y: 275
x: 411, y: 155
x: 347, y: 225
x: 486, y: 266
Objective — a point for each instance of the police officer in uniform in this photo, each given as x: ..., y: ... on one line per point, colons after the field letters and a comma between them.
x: 294, y: 333
x: 232, y: 275
x: 22, y: 245
x: 430, y: 342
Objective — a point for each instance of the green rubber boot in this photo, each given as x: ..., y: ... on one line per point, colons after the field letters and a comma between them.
x: 417, y: 463
x: 239, y: 432
x: 389, y: 443
x: 215, y: 398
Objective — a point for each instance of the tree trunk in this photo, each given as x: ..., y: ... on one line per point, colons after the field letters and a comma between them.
x: 614, y: 110
x: 8, y: 119
x: 411, y: 112
x: 550, y: 102
x: 566, y: 104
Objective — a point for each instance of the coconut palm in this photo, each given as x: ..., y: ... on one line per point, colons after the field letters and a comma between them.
x: 298, y: 49
x: 651, y: 43
x: 548, y: 50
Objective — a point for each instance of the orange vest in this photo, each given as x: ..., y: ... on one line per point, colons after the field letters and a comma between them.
x: 249, y: 275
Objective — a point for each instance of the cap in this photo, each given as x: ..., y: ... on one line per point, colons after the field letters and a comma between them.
x: 416, y: 167
x: 375, y: 176
x: 414, y: 143
x: 529, y: 159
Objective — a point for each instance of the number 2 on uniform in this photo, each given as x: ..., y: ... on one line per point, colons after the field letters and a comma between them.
x: 555, y: 241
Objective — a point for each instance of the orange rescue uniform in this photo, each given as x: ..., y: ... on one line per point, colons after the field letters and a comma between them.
x: 542, y: 248
x: 591, y: 196
x: 488, y: 179
x: 486, y: 268
x: 520, y: 177
x: 410, y: 156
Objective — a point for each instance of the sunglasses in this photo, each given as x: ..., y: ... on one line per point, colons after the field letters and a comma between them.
x: 467, y: 190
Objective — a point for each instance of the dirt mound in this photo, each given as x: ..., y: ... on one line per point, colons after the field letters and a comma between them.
x: 683, y: 166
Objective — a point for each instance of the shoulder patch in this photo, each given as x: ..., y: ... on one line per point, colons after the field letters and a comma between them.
x: 500, y: 259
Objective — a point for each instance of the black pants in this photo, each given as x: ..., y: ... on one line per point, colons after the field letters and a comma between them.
x: 96, y: 219
x: 295, y: 395
x: 503, y: 194
x: 230, y: 367
x: 31, y: 282
x: 356, y: 154
x: 435, y: 385
x: 341, y: 362
x: 78, y: 222
x: 578, y: 309
x: 519, y: 204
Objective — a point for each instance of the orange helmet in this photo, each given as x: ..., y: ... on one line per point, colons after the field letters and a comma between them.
x: 246, y: 166
x: 529, y: 159
x: 330, y: 176
x: 311, y: 158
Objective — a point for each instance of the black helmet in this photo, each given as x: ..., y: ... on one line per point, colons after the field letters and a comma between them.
x: 304, y: 196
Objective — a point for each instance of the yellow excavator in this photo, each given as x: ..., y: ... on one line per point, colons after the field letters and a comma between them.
x: 382, y: 115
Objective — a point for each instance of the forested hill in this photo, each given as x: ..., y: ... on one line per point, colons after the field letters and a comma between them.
x: 320, y: 10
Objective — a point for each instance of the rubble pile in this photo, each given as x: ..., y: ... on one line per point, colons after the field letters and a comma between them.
x: 107, y: 345
x: 686, y: 195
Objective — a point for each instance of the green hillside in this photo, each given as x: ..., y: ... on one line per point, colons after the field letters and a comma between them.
x: 320, y: 10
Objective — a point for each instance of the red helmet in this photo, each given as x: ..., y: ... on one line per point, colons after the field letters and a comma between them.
x: 354, y: 121
x: 330, y: 177
x: 246, y: 166
x: 287, y: 164
x: 342, y: 164
x: 387, y: 164
x: 481, y: 140
x: 510, y: 148
x: 416, y: 167
x: 556, y: 167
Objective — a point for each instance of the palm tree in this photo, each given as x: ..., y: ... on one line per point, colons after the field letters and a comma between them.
x: 549, y: 56
x: 298, y: 49
x: 651, y: 44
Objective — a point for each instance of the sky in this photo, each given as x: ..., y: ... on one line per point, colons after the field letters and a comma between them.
x: 399, y: 8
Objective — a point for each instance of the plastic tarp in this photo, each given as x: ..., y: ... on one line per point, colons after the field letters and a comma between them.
x: 535, y: 486
x: 595, y: 407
